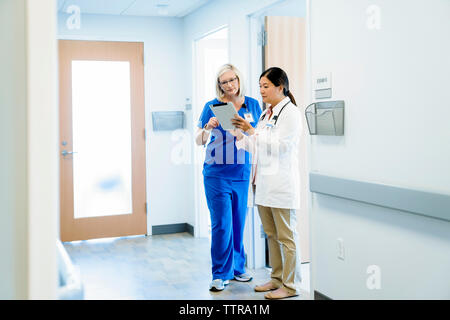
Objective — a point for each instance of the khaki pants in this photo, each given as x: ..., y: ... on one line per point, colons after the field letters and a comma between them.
x: 284, y: 252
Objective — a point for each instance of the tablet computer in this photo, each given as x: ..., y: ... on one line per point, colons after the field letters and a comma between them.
x: 224, y: 112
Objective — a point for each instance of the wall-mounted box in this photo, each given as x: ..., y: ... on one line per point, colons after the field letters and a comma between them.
x: 326, y: 118
x: 167, y: 120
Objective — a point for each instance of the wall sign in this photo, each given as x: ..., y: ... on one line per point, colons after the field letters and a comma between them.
x: 322, y: 85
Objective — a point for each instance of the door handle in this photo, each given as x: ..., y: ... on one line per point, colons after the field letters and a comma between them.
x: 65, y: 153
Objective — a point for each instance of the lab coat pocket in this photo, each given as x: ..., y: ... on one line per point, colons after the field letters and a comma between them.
x: 282, y: 183
x: 268, y: 153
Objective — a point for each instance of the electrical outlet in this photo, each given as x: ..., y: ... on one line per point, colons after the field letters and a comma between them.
x: 340, y: 249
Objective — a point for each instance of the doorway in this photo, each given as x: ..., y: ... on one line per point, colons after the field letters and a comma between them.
x: 289, y: 33
x: 280, y: 40
x: 102, y: 140
x: 210, y: 52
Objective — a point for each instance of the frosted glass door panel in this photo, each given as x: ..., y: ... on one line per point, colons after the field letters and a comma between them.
x: 101, y: 138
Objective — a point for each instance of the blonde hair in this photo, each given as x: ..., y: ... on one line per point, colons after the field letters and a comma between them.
x: 229, y: 67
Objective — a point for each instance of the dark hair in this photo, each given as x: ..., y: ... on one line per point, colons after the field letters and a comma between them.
x: 279, y: 78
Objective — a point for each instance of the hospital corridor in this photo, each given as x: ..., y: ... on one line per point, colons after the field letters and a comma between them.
x: 206, y: 151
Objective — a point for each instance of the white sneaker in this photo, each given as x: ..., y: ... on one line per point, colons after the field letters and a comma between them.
x: 243, y: 277
x: 218, y: 284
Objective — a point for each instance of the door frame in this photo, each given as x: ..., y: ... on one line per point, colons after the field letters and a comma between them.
x: 140, y: 82
x: 255, y: 20
x: 309, y: 97
x: 253, y: 233
x: 147, y: 91
x: 39, y: 225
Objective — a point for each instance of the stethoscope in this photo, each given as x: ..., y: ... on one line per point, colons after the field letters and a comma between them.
x: 275, y: 117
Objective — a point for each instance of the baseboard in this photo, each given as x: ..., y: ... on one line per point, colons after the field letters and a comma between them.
x: 173, y: 228
x: 190, y: 229
x: 320, y: 296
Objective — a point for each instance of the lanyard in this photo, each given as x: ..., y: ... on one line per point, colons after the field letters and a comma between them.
x: 275, y: 117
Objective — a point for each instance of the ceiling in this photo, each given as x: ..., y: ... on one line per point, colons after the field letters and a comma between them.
x: 166, y: 8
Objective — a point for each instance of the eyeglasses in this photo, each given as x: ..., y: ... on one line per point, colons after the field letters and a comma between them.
x: 224, y: 83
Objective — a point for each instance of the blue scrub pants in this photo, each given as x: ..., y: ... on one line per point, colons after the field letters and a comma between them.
x: 227, y: 203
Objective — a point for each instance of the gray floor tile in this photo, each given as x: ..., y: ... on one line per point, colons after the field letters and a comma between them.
x: 162, y: 267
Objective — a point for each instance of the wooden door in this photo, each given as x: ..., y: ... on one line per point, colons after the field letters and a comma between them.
x: 286, y: 48
x: 102, y: 140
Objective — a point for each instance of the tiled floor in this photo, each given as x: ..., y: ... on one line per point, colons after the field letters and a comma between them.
x: 168, y: 267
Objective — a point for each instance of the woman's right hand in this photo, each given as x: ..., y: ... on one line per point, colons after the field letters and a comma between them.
x: 237, y: 133
x: 212, y: 123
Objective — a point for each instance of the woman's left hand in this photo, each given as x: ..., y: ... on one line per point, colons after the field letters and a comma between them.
x: 241, y: 123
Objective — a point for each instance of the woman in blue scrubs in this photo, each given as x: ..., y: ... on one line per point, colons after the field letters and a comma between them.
x: 226, y: 173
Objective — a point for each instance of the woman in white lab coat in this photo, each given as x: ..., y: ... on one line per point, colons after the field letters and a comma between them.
x: 275, y: 179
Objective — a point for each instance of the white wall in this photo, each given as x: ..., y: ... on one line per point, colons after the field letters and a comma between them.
x: 219, y: 13
x: 394, y: 82
x: 13, y: 141
x: 28, y: 160
x: 287, y: 8
x: 165, y: 80
x: 43, y: 150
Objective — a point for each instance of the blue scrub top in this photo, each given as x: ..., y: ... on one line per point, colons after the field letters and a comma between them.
x: 223, y: 159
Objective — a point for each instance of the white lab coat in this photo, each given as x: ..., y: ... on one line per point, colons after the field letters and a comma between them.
x: 274, y: 148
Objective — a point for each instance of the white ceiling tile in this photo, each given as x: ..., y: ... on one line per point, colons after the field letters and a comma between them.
x: 60, y: 4
x: 175, y: 8
x: 194, y: 6
x: 113, y: 7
